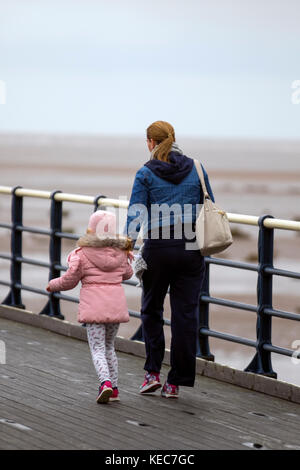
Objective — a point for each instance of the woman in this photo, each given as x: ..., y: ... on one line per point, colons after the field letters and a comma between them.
x: 166, y: 198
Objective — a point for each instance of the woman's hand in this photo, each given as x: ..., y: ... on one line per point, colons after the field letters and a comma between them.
x: 48, y: 288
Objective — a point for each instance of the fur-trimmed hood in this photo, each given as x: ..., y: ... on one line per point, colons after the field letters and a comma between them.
x: 112, y: 254
x: 94, y: 241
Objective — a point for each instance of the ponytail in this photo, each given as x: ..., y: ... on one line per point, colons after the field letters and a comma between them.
x: 163, y: 133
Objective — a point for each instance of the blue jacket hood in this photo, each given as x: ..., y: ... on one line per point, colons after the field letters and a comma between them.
x: 175, y: 170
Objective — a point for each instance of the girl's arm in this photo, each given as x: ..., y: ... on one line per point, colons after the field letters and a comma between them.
x: 70, y: 278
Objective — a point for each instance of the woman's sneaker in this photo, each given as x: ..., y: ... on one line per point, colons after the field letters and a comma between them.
x: 170, y: 391
x: 105, y: 392
x: 151, y: 383
x: 115, y: 395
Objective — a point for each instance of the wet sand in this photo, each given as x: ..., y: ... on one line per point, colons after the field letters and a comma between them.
x: 247, y: 177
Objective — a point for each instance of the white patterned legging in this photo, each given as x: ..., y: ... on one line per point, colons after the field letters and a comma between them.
x: 101, y: 337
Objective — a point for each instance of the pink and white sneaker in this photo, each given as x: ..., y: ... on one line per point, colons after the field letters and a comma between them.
x: 151, y: 383
x: 170, y: 391
x: 105, y: 392
x: 115, y: 395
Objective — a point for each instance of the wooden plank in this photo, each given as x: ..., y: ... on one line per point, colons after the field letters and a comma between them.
x: 49, y: 384
x: 154, y: 424
x: 54, y: 420
x: 63, y: 406
x: 23, y: 439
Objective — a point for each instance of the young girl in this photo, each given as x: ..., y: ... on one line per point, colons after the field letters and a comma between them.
x: 101, y: 262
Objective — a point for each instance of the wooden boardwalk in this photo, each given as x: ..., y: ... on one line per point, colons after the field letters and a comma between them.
x: 48, y: 388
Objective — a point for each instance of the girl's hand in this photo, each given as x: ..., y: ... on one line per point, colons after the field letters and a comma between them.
x: 48, y: 288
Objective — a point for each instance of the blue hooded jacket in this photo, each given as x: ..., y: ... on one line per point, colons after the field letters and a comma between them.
x: 165, y: 193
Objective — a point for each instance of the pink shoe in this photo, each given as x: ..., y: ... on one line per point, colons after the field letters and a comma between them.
x: 151, y: 383
x: 115, y: 395
x: 105, y: 392
x: 170, y: 391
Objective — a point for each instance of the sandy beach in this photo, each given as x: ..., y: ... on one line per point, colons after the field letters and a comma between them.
x: 248, y: 177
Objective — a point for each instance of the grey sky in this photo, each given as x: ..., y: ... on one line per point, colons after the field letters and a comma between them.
x: 217, y: 69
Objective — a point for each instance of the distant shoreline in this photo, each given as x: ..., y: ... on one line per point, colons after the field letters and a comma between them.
x: 235, y: 141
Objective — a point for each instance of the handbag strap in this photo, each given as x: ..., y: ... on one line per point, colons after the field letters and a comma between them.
x: 201, y: 177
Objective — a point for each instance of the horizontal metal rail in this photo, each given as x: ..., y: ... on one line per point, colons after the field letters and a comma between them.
x: 282, y: 351
x: 228, y: 303
x: 121, y: 203
x: 5, y: 256
x: 69, y: 298
x: 135, y: 314
x: 20, y: 286
x: 282, y: 314
x: 232, y: 264
x: 40, y: 231
x: 42, y: 264
x: 248, y: 342
x: 282, y: 272
x: 70, y: 236
x: 227, y: 337
x: 265, y: 270
x: 6, y: 226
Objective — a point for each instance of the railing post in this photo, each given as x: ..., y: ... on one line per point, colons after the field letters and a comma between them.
x: 203, y: 340
x: 52, y: 308
x: 14, y: 298
x: 261, y: 363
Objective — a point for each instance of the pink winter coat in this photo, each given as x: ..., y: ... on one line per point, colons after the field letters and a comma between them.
x: 101, y: 266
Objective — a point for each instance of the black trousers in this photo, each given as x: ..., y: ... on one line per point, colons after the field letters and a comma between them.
x: 171, y: 265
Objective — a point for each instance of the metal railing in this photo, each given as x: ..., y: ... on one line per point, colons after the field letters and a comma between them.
x: 261, y: 362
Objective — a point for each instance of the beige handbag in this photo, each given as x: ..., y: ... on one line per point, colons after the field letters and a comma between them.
x: 213, y: 232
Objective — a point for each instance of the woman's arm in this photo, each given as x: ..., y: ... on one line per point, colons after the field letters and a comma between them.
x: 138, y: 206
